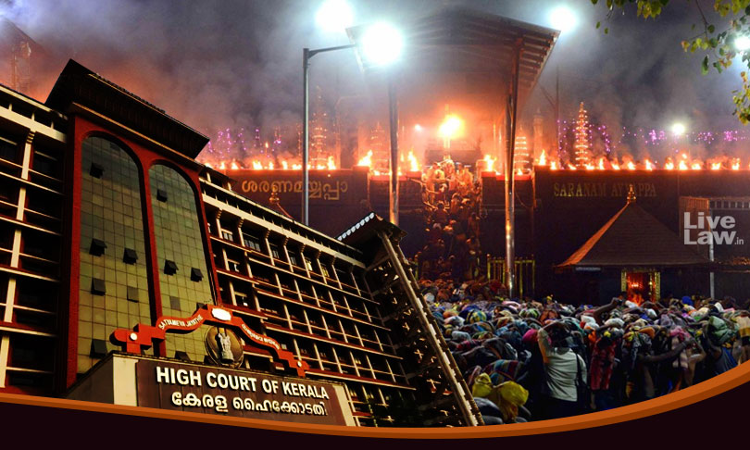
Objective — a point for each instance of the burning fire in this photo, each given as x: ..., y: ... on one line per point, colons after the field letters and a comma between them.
x: 543, y: 159
x: 489, y: 163
x: 366, y: 161
x: 631, y: 165
x: 601, y: 164
x: 649, y: 165
x: 330, y: 164
x: 413, y: 163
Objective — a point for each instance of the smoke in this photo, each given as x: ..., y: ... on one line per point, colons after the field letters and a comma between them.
x: 219, y: 64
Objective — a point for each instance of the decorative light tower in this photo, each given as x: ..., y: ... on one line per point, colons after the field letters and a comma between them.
x: 582, y: 148
x: 521, y: 157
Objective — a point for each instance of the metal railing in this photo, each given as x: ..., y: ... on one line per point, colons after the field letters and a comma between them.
x: 525, y: 273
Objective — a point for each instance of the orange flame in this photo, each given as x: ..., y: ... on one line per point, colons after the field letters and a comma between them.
x: 543, y: 159
x: 683, y: 165
x: 615, y: 165
x: 736, y: 164
x: 649, y: 165
x: 284, y: 165
x: 631, y: 165
x: 413, y: 163
x: 234, y: 166
x: 590, y: 167
x: 222, y: 166
x: 489, y: 163
x: 330, y: 164
x: 366, y: 161
x: 696, y: 166
x: 715, y: 166
x: 601, y: 164
x: 257, y: 165
x: 553, y: 165
x: 571, y: 166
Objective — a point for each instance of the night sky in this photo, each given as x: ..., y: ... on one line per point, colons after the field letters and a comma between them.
x: 215, y: 64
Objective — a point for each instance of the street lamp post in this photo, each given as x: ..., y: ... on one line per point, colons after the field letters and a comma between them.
x: 306, y: 55
x: 393, y: 124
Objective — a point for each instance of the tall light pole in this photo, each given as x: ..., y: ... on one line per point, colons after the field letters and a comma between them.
x: 306, y: 55
x: 381, y: 45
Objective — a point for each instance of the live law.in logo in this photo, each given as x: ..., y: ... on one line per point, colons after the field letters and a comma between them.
x: 717, y: 230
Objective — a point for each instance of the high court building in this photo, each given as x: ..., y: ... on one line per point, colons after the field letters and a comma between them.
x: 132, y: 274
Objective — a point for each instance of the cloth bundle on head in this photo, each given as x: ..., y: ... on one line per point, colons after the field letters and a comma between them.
x: 615, y: 322
x: 504, y: 370
x: 530, y: 337
x: 476, y: 315
x: 482, y: 386
x: 455, y: 321
x: 460, y: 336
x: 512, y: 396
x: 719, y: 331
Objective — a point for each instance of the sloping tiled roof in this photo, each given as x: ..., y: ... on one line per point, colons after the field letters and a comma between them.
x: 634, y: 238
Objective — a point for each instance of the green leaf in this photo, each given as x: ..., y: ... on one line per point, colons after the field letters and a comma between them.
x: 594, y: 2
x: 704, y: 66
x: 606, y: 31
x: 711, y: 28
x: 598, y: 24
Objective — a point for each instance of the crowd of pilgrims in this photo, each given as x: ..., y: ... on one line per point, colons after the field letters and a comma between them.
x: 533, y: 360
x: 542, y: 359
x: 452, y: 204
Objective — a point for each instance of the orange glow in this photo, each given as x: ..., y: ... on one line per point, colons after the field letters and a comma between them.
x: 571, y: 166
x: 649, y: 165
x: 715, y: 166
x: 543, y: 159
x: 270, y: 165
x: 615, y: 165
x: 696, y: 166
x: 366, y: 161
x: 489, y: 163
x: 519, y: 172
x: 209, y: 166
x: 451, y: 127
x: 631, y: 165
x: 683, y: 165
x: 736, y: 164
x: 257, y: 165
x: 601, y: 164
x: 222, y: 166
x: 234, y: 166
x: 553, y: 165
x: 330, y: 164
x: 590, y: 167
x: 284, y: 165
x: 413, y: 163
x: 296, y: 166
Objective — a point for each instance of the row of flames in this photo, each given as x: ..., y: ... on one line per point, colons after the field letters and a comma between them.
x: 366, y: 161
x: 683, y: 162
x: 283, y: 165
